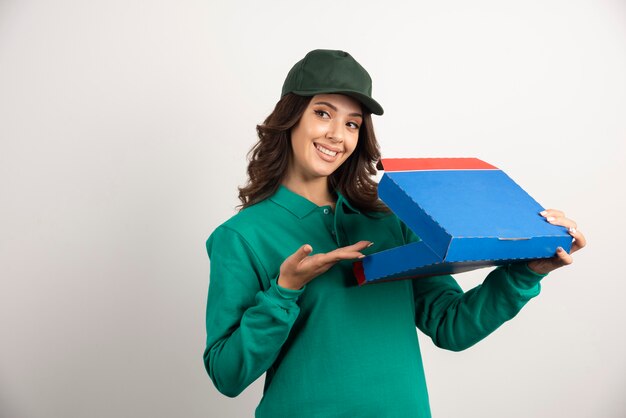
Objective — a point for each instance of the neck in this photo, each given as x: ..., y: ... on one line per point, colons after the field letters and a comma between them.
x: 315, y: 190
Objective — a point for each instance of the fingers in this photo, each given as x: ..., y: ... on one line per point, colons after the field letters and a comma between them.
x: 563, y: 257
x: 359, y: 246
x: 325, y: 260
x: 556, y: 217
x: 579, y: 240
x: 349, y: 252
x: 552, y: 212
x: 546, y: 265
x: 301, y: 254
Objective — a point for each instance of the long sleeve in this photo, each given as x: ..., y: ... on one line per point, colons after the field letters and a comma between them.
x: 456, y: 320
x: 246, y: 325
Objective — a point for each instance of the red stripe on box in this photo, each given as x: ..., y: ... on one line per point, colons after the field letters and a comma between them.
x: 416, y: 164
x: 359, y: 273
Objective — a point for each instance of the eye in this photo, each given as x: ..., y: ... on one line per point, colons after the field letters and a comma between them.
x: 322, y: 113
x: 353, y: 125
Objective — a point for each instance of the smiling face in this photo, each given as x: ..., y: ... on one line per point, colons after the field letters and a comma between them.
x: 325, y: 136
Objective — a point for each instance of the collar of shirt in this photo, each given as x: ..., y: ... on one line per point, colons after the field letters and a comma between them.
x: 301, y: 206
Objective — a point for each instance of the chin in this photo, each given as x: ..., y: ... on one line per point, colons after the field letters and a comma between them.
x: 326, y: 171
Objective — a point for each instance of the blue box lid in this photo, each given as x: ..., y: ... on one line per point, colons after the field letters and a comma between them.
x: 468, y: 214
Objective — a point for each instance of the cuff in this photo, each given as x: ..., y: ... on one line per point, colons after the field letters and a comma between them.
x: 523, y: 278
x: 283, y: 297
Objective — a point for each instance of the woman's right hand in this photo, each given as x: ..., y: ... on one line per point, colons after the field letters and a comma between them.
x: 300, y: 268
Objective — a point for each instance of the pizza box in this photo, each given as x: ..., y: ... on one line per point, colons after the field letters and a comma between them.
x: 467, y: 213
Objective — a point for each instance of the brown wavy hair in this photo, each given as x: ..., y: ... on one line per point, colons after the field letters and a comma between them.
x: 269, y: 159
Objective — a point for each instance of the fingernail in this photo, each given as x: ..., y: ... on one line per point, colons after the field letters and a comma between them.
x: 361, y: 256
x: 559, y: 250
x: 550, y: 218
x: 572, y: 230
x: 543, y: 213
x: 369, y: 245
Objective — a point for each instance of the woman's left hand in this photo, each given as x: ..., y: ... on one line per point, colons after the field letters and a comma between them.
x: 562, y: 258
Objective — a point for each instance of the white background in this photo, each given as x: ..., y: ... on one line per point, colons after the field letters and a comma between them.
x: 124, y: 127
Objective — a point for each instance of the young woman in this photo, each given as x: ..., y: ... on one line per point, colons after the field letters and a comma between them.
x: 282, y: 295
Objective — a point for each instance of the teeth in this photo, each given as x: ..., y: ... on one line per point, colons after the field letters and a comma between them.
x: 326, y: 151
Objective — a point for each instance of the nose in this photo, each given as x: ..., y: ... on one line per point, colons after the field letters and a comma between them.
x: 334, y: 132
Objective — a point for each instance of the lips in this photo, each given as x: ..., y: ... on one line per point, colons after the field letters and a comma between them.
x: 327, y: 150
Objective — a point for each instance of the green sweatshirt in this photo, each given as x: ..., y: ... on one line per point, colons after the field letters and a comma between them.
x: 333, y: 349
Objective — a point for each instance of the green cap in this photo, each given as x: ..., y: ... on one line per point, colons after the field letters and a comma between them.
x: 329, y: 71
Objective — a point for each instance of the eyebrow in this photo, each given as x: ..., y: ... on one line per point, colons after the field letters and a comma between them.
x: 335, y: 109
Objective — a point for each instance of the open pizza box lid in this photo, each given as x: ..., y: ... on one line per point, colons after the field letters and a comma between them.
x: 467, y: 213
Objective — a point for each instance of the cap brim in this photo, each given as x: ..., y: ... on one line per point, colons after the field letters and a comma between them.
x: 371, y: 104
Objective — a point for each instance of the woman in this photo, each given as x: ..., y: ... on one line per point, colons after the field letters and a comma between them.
x: 282, y: 296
